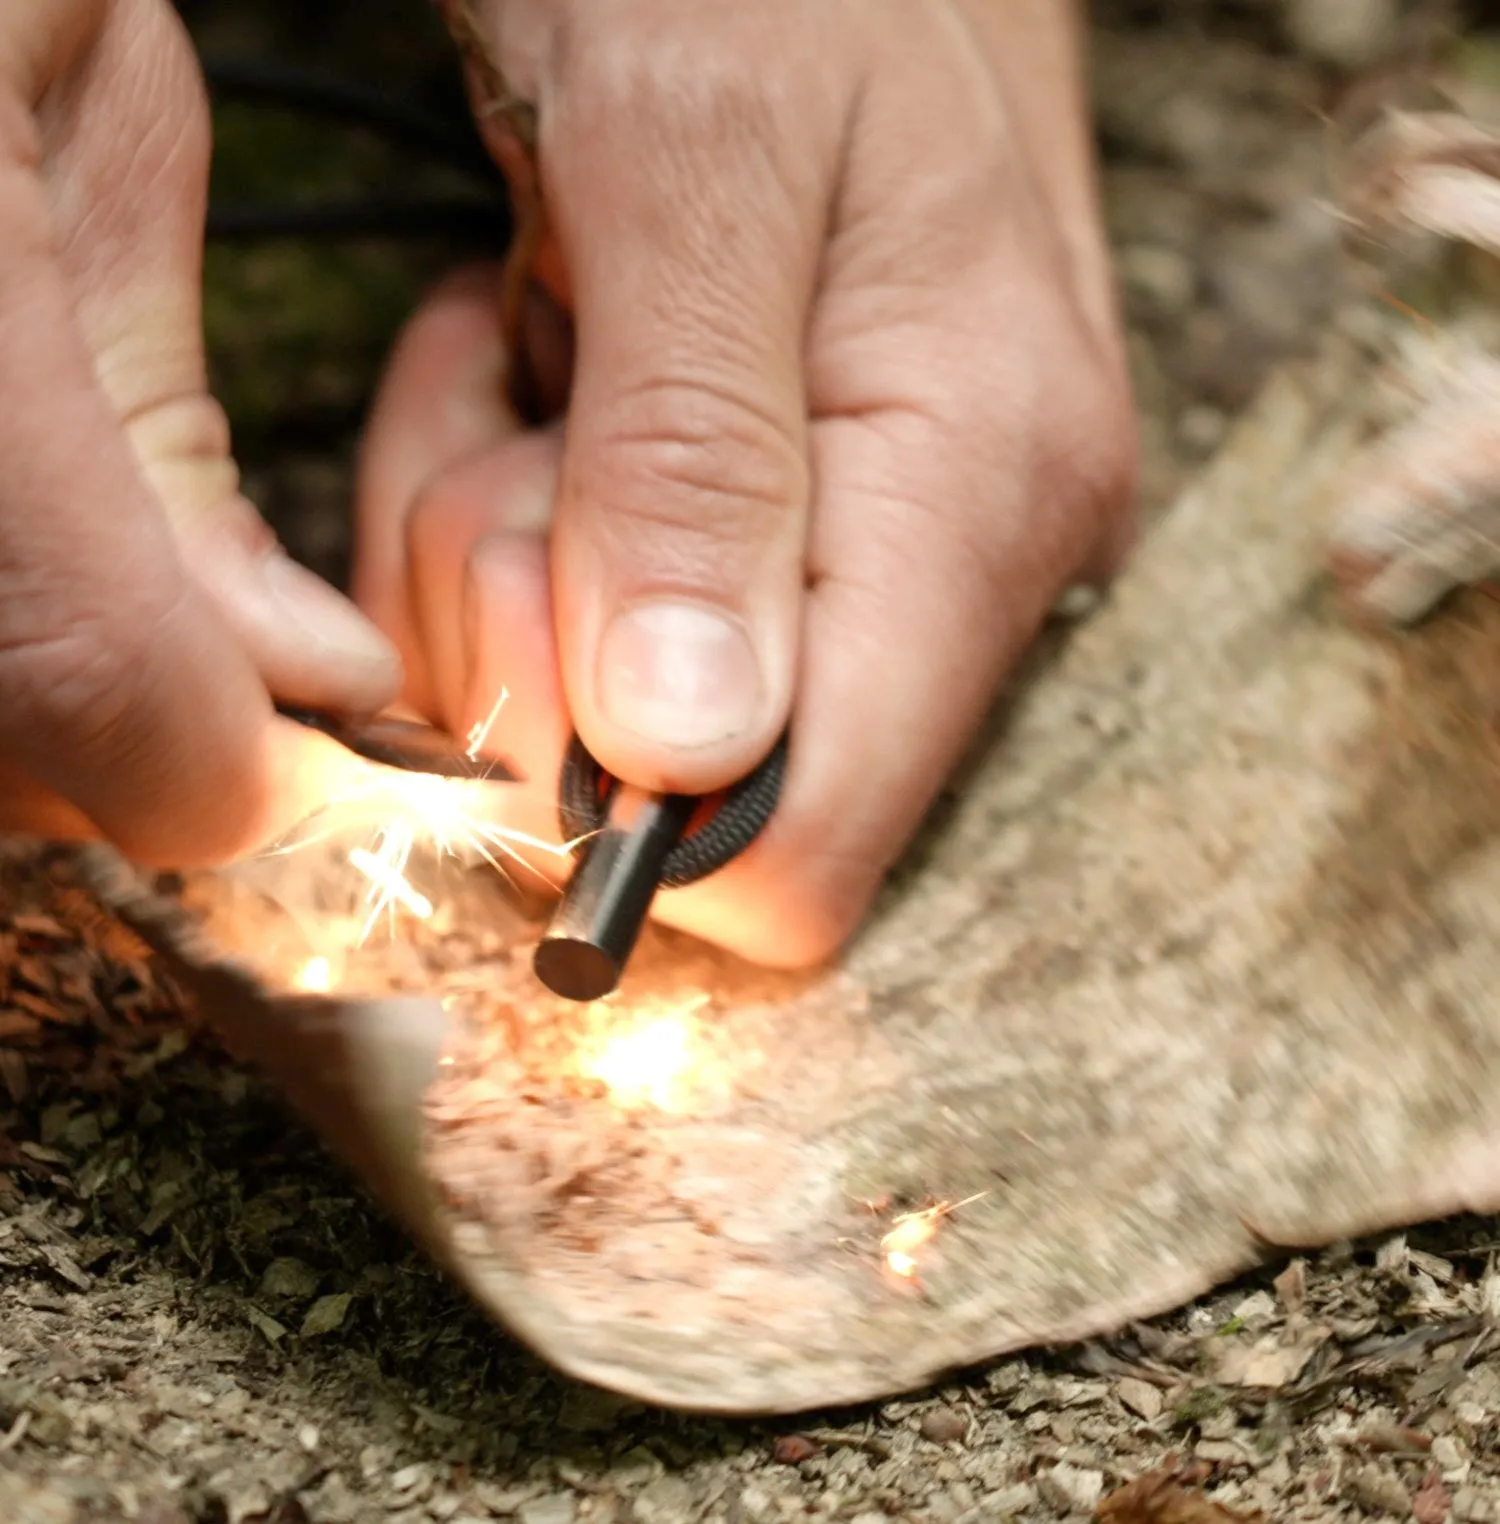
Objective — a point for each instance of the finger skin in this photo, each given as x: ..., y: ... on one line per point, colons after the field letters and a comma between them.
x: 966, y: 429
x: 451, y: 548
x: 131, y: 705
x: 688, y: 202
x: 973, y: 447
x: 441, y: 400
x: 125, y: 172
x: 119, y: 684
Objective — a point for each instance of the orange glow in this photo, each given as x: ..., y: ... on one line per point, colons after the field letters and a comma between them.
x: 914, y: 1229
x: 651, y: 1062
x: 908, y: 1235
x: 315, y: 976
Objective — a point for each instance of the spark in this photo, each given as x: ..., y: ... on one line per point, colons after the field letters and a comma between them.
x: 412, y: 810
x: 315, y: 976
x: 912, y: 1230
x: 480, y: 733
x: 650, y: 1062
x: 388, y: 881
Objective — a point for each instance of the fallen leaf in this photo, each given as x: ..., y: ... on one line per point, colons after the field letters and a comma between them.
x: 290, y: 1278
x: 1158, y: 1497
x: 267, y: 1326
x: 326, y: 1315
x: 1431, y: 1501
x: 793, y: 1449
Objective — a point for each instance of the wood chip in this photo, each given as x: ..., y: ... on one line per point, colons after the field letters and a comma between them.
x: 1273, y: 1361
x: 1291, y: 1286
x: 793, y: 1449
x: 944, y: 1426
x: 1394, y: 1438
x: 1140, y: 1397
x: 1377, y: 1490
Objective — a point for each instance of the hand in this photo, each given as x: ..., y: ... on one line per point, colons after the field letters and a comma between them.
x: 847, y: 409
x: 144, y: 606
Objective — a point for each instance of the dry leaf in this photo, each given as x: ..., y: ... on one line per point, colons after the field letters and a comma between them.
x: 326, y: 1315
x: 1160, y: 1498
x: 793, y: 1449
x: 1431, y: 1502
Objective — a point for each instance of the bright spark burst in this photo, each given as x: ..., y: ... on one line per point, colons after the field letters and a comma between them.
x: 650, y: 1062
x: 385, y: 868
x: 419, y: 809
x: 315, y: 976
x: 912, y: 1230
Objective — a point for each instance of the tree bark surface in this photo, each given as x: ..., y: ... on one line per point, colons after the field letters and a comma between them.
x: 1199, y: 961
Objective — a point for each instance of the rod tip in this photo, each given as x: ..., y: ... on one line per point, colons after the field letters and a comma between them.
x: 574, y: 968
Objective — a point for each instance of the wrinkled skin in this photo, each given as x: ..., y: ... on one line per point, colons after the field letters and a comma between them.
x: 145, y: 610
x: 845, y: 409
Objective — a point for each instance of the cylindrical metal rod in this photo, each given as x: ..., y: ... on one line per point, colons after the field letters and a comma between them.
x: 596, y: 924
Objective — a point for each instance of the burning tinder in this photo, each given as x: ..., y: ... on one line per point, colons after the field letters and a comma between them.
x: 911, y: 1231
x: 654, y: 1061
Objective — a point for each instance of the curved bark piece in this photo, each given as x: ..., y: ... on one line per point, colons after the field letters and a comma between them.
x: 1200, y: 961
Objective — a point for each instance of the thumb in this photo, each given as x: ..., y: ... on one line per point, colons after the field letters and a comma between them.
x: 137, y: 139
x: 123, y: 689
x: 691, y: 234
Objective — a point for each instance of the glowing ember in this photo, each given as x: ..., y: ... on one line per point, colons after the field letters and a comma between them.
x: 914, y: 1229
x: 315, y: 976
x: 652, y: 1062
x: 902, y: 1242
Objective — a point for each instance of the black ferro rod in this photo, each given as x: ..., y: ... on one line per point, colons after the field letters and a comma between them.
x: 594, y: 929
x: 619, y: 864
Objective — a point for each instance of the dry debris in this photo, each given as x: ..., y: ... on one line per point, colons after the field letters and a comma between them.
x: 202, y: 1321
x: 1163, y: 1497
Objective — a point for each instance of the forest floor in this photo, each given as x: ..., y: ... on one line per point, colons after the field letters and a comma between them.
x: 203, y: 1321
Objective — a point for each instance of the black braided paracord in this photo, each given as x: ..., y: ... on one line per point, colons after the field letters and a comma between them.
x: 584, y: 792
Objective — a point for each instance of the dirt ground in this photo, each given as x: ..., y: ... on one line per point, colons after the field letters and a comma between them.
x: 202, y: 1319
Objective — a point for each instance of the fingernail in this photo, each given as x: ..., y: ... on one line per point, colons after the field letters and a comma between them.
x: 678, y: 674
x: 325, y: 618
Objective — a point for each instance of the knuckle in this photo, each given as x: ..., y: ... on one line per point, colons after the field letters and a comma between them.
x: 687, y: 84
x: 1101, y: 451
x: 696, y: 460
x: 655, y: 72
